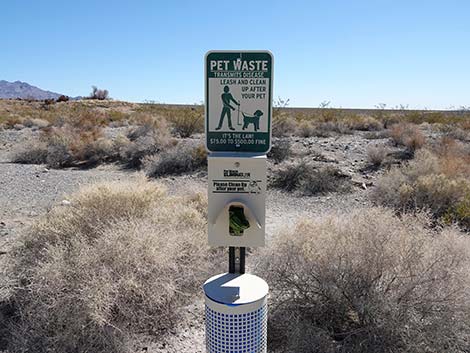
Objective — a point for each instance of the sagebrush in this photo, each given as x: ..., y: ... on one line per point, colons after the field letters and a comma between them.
x: 437, y: 182
x: 368, y: 281
x: 308, y: 179
x: 119, y: 261
x: 179, y: 159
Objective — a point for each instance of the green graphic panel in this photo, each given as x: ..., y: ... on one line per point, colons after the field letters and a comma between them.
x: 238, y: 101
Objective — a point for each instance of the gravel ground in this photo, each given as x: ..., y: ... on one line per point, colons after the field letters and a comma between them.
x: 28, y: 191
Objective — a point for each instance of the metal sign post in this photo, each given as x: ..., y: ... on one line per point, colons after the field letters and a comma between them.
x: 236, y: 302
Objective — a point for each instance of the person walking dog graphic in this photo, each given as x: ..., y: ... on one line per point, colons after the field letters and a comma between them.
x: 226, y: 99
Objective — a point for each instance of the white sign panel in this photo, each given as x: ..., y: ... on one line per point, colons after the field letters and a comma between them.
x: 237, y: 195
x: 238, y: 101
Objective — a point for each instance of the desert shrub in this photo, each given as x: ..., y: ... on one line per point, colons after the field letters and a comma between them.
x: 36, y: 122
x: 290, y: 176
x: 367, y: 281
x: 145, y: 140
x: 283, y: 124
x: 63, y: 98
x: 48, y: 102
x: 116, y: 117
x: 101, y: 150
x: 325, y: 180
x: 328, y: 127
x: 390, y: 119
x: 322, y: 129
x: 309, y: 180
x: 81, y: 116
x: 59, y: 155
x: 438, y: 117
x: 32, y: 152
x: 331, y: 114
x: 376, y: 155
x: 306, y: 128
x: 69, y: 146
x: 100, y: 94
x: 182, y: 158
x: 465, y: 122
x: 376, y: 135
x: 419, y: 117
x: 452, y: 131
x: 11, y: 121
x: 363, y: 123
x: 414, y: 117
x: 280, y: 150
x: 91, y: 286
x: 431, y: 182
x: 459, y: 213
x: 309, y: 128
x: 407, y: 135
x: 187, y: 122
x: 453, y: 156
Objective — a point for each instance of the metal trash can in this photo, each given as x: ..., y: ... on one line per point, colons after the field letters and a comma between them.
x: 236, y: 313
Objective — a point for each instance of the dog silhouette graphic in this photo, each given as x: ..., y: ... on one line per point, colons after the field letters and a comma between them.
x: 252, y: 120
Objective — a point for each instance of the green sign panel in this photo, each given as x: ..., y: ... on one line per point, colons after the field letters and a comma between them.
x: 238, y: 101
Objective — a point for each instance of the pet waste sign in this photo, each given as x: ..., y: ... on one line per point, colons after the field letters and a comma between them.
x: 238, y: 101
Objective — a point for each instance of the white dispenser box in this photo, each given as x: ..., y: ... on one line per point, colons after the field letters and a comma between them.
x: 237, y: 187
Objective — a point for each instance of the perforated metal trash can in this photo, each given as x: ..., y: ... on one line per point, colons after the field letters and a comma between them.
x: 236, y: 314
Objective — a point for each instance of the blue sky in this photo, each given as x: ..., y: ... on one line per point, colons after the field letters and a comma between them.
x: 352, y: 53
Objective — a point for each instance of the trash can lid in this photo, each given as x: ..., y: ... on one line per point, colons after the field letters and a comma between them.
x: 235, y: 289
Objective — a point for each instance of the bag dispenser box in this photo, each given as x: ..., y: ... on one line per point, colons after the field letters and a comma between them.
x: 237, y: 198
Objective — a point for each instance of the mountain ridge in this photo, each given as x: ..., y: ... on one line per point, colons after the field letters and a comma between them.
x: 24, y: 90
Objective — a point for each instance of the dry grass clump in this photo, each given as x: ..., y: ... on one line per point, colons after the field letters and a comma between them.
x: 407, y: 135
x: 322, y: 129
x: 81, y: 116
x: 307, y: 128
x: 182, y: 158
x: 145, y: 140
x: 436, y: 182
x: 460, y: 213
x: 36, y: 123
x: 117, y: 118
x: 454, y: 157
x: 464, y: 123
x: 31, y: 152
x: 68, y: 146
x: 327, y: 128
x: 309, y: 180
x: 363, y: 123
x: 283, y: 124
x: 118, y: 262
x: 10, y: 121
x: 376, y: 155
x: 280, y: 150
x: 186, y: 121
x: 419, y: 117
x: 367, y: 281
x: 84, y: 144
x: 336, y: 121
x: 452, y: 131
x: 376, y: 135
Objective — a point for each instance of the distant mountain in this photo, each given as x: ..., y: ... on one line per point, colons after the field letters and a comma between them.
x: 24, y: 90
